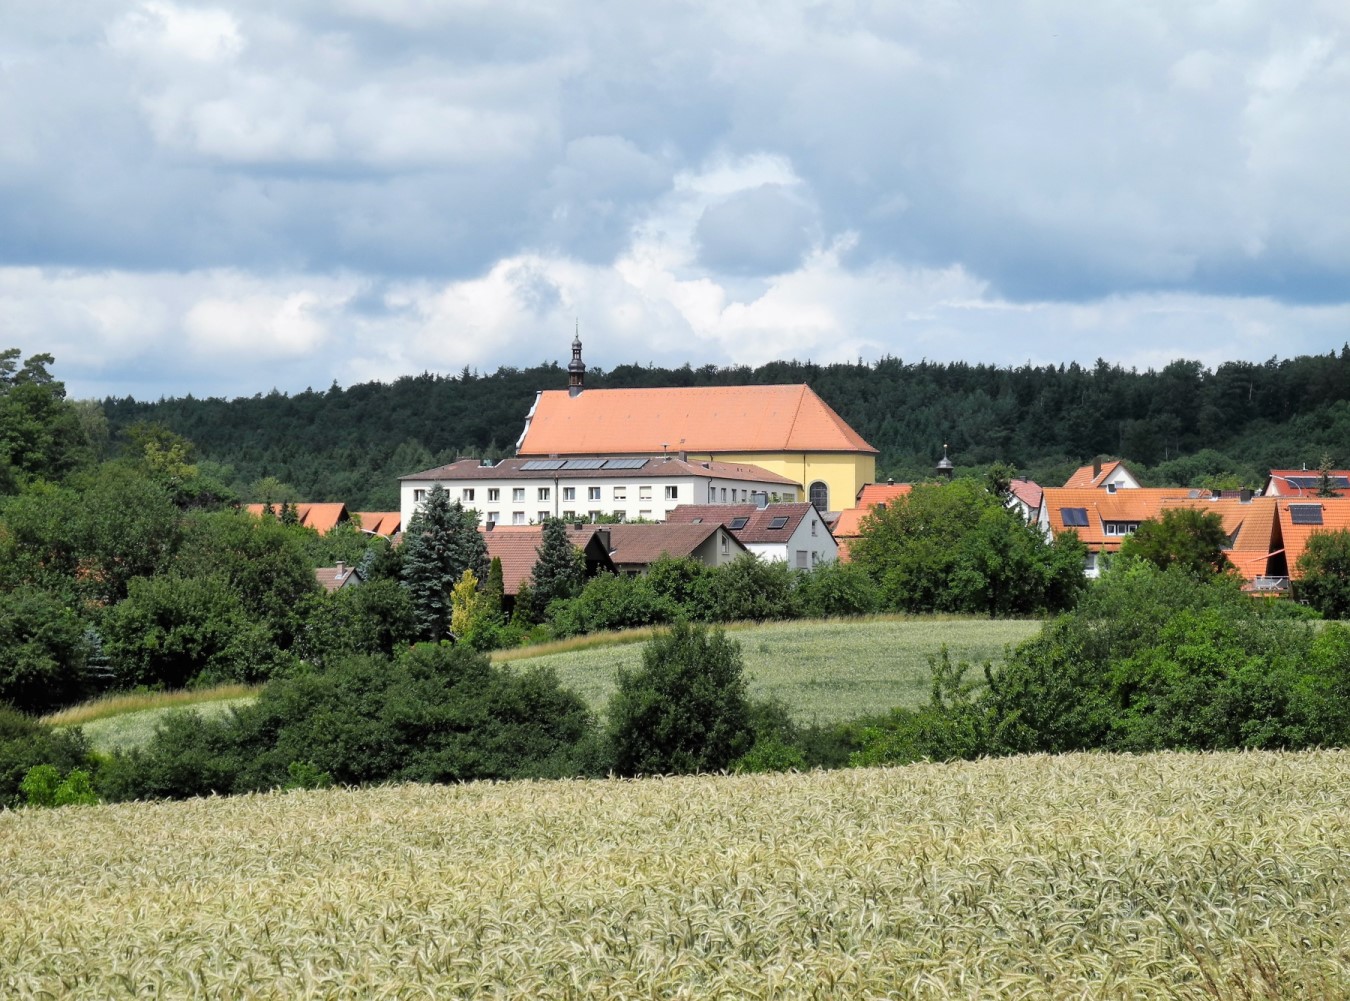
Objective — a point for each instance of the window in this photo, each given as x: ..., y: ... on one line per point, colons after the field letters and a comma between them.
x: 518, y: 494
x: 645, y: 493
x: 672, y: 493
x: 778, y: 522
x: 466, y: 494
x: 820, y: 496
x: 543, y: 515
x: 569, y: 516
x: 815, y: 557
x: 726, y: 544
x: 492, y: 517
x: 593, y: 515
x: 419, y: 496
x: 813, y: 526
x: 1074, y: 517
x: 494, y: 494
x: 712, y: 494
x: 645, y: 514
x: 724, y: 495
x: 569, y: 493
x: 620, y: 493
x: 801, y: 559
x: 619, y: 516
x: 738, y: 523
x: 517, y: 517
x: 544, y: 492
x: 592, y: 493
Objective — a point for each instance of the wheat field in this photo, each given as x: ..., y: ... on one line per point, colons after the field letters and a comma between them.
x: 1091, y: 876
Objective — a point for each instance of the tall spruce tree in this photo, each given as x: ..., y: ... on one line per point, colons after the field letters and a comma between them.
x: 560, y: 569
x: 442, y: 542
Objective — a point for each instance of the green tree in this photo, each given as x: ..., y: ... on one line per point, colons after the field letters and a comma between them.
x: 685, y: 710
x: 440, y: 544
x: 43, y: 651
x: 1183, y: 537
x: 1326, y: 484
x: 560, y: 569
x: 41, y: 433
x: 1323, y: 574
x: 954, y: 547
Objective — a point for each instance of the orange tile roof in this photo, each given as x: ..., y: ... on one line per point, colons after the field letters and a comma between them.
x: 320, y: 517
x: 384, y: 523
x: 1250, y: 524
x: 849, y: 522
x: 699, y: 419
x: 1335, y: 518
x: 1084, y: 476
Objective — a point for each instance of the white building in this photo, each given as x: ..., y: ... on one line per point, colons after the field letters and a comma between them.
x: 526, y: 491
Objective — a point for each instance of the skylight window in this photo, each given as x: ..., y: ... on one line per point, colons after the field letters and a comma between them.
x: 1074, y: 517
x: 778, y: 522
x: 1305, y: 514
x: 738, y: 523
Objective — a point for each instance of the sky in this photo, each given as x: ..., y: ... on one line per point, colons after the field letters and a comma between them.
x: 225, y: 199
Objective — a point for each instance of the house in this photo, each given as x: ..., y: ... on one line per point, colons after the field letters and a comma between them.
x: 1305, y: 483
x: 518, y: 549
x: 793, y: 533
x: 1298, y: 520
x: 1110, y: 476
x: 526, y: 491
x: 787, y: 430
x: 1024, y: 497
x: 848, y: 526
x: 1257, y: 543
x: 386, y: 524
x: 323, y: 518
x: 634, y: 548
x: 337, y: 577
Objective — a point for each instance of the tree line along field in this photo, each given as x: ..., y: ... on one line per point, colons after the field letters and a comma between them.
x: 1102, y: 876
x: 825, y: 672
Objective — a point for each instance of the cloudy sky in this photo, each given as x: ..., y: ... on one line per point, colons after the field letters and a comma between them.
x: 225, y: 198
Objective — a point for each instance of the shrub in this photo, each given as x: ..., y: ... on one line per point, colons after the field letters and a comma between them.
x: 25, y: 744
x: 685, y: 710
x: 43, y: 651
x: 748, y: 588
x: 1324, y: 574
x: 608, y: 602
x: 836, y: 589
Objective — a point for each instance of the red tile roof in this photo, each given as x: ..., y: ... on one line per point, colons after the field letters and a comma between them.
x: 517, y: 546
x: 758, y: 519
x: 1303, y: 482
x: 332, y: 578
x: 700, y: 419
x: 642, y: 544
x: 1028, y: 492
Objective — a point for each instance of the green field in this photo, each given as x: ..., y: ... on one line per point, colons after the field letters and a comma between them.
x: 824, y: 671
x: 1084, y: 876
x: 134, y: 729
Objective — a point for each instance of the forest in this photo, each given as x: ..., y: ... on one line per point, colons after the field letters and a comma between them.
x: 1182, y: 425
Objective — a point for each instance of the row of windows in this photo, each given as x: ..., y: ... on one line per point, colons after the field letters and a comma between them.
x: 518, y: 517
x: 469, y: 495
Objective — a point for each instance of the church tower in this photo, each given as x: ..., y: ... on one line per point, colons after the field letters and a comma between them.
x: 576, y: 368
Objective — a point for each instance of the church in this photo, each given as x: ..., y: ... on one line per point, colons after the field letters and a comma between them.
x: 787, y: 430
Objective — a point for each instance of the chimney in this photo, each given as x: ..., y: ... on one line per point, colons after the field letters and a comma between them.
x: 1245, y: 495
x: 489, y: 526
x: 603, y: 535
x: 879, y: 506
x: 761, y: 499
x: 890, y: 481
x: 341, y: 569
x: 1096, y: 468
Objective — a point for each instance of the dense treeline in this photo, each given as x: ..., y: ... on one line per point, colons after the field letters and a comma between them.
x: 1183, y: 424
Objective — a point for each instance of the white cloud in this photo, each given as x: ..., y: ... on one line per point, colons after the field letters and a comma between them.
x: 160, y: 29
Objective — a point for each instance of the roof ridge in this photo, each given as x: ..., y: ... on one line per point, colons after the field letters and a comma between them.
x: 792, y: 424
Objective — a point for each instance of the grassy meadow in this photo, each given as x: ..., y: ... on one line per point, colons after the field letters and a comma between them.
x: 826, y: 671
x: 1082, y: 876
x: 126, y: 720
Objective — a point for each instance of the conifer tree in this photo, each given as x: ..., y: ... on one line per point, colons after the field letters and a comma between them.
x: 560, y: 569
x: 494, y: 592
x: 442, y: 542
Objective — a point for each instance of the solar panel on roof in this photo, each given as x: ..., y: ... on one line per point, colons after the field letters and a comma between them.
x: 625, y: 463
x: 1074, y: 517
x: 778, y: 522
x: 544, y: 464
x: 1305, y: 514
x: 1313, y: 482
x: 584, y: 463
